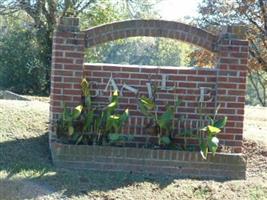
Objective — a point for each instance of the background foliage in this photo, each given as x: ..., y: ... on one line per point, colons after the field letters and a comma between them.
x: 26, y: 29
x: 214, y: 14
x: 142, y: 51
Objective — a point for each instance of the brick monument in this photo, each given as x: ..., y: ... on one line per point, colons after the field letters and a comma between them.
x: 225, y: 84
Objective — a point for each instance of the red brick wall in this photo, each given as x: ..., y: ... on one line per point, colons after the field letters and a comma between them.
x: 227, y: 80
x: 185, y: 81
x: 67, y: 67
x: 182, y: 164
x: 231, y: 86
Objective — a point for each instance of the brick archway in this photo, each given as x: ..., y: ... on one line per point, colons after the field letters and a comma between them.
x: 150, y: 28
x: 227, y: 80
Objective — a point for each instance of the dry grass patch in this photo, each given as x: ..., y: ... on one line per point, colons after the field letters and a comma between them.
x: 26, y: 171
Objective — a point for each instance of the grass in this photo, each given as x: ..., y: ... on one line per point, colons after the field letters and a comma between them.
x: 257, y: 192
x: 26, y: 171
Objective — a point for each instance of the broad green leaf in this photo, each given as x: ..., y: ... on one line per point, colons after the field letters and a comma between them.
x: 75, y: 136
x: 148, y: 103
x: 213, y: 143
x: 88, y: 101
x: 203, y: 149
x: 70, y: 130
x: 79, y: 139
x: 66, y: 115
x: 221, y: 122
x: 213, y: 130
x: 88, y: 123
x: 114, y: 137
x: 77, y: 112
x: 165, y: 140
x: 97, y: 124
x: 104, y: 120
x: 109, y: 125
x: 144, y: 110
x: 112, y: 104
x: 124, y: 117
x: 165, y: 119
x: 114, y: 117
x: 111, y: 108
x: 113, y: 123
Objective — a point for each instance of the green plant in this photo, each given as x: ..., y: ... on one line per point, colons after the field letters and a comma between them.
x: 162, y: 124
x: 87, y: 115
x: 21, y: 68
x: 186, y: 134
x: 65, y: 125
x: 88, y: 125
x: 76, y: 123
x: 209, y: 141
x: 109, y: 122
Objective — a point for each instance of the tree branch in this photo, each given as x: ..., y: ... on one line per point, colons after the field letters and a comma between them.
x: 264, y: 14
x: 86, y: 5
x: 256, y: 88
x: 255, y: 23
x: 263, y: 85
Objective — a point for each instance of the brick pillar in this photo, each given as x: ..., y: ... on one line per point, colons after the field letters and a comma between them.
x: 67, y: 67
x: 231, y: 84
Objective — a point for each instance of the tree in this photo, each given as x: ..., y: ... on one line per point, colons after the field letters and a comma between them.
x: 44, y: 14
x: 141, y: 51
x: 137, y: 9
x: 19, y: 70
x: 252, y: 14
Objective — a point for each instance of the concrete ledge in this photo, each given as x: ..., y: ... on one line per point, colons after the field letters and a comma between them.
x: 168, y: 162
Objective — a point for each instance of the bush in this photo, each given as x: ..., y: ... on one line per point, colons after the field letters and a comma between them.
x: 21, y: 70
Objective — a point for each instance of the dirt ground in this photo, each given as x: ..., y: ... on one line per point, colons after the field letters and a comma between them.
x: 256, y: 124
x: 26, y: 171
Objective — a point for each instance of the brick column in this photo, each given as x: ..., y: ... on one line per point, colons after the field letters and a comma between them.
x: 231, y: 84
x: 67, y: 67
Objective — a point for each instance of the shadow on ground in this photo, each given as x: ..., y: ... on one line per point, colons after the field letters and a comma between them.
x: 28, y: 161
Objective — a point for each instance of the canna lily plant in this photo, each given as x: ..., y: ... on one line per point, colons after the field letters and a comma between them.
x: 82, y: 115
x: 209, y: 142
x: 109, y: 123
x: 162, y: 123
x: 67, y: 120
x: 85, y: 123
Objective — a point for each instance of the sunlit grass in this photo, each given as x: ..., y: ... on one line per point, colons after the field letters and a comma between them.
x: 26, y: 170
